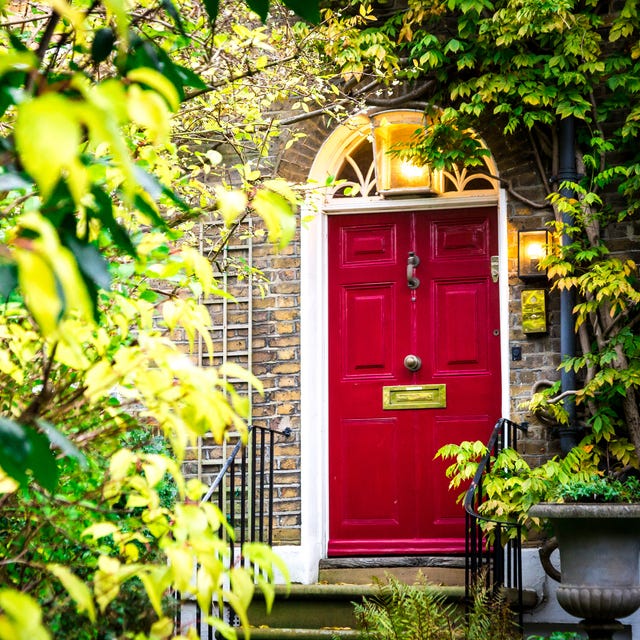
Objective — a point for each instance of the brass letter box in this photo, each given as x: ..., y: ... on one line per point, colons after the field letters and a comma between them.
x: 424, y: 396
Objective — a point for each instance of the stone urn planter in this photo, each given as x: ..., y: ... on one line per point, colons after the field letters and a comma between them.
x: 599, y: 547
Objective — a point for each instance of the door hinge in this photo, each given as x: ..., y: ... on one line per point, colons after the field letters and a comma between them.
x: 495, y: 268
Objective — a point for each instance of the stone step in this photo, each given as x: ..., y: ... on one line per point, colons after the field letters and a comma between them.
x: 323, y: 606
x: 265, y: 633
x: 434, y: 570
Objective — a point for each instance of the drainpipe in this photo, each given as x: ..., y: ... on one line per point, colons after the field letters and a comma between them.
x: 567, y: 172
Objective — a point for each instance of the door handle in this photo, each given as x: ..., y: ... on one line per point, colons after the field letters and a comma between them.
x: 413, y: 363
x: 412, y: 262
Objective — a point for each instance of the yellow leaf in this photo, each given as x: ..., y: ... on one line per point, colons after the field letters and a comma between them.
x: 131, y: 551
x: 154, y: 467
x: 242, y: 586
x: 120, y: 463
x: 155, y: 584
x: 200, y: 266
x: 17, y: 61
x: 100, y: 530
x: 158, y: 82
x: 182, y: 567
x: 278, y: 215
x: 76, y: 588
x: 44, y: 264
x: 40, y: 289
x: 108, y: 578
x: 161, y: 628
x: 75, y: 17
x: 48, y: 135
x: 231, y: 204
x: 100, y: 378
x: 119, y: 9
x: 7, y: 484
x: 234, y: 370
x: 149, y: 110
x: 206, y: 586
x: 22, y: 619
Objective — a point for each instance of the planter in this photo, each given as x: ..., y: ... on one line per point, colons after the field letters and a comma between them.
x: 599, y: 547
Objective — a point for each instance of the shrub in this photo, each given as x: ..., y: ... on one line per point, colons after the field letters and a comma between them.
x: 421, y: 613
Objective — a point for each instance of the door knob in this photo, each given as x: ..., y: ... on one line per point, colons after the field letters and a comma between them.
x: 413, y: 363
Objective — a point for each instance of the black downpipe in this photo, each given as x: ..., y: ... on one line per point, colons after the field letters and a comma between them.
x: 567, y: 172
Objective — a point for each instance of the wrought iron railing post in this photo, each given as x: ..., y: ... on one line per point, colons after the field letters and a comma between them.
x: 244, y: 493
x: 502, y: 566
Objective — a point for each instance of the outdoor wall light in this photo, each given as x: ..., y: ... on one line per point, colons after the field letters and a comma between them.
x: 396, y: 176
x: 532, y: 247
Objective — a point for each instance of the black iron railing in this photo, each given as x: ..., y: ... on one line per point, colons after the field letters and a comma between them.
x: 486, y: 557
x: 243, y: 490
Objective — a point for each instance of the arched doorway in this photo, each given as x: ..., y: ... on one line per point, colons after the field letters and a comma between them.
x: 373, y: 419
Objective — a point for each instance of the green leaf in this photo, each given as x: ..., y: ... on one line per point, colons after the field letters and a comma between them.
x: 91, y: 262
x: 212, y: 7
x: 60, y: 441
x: 307, y: 9
x: 147, y: 209
x: 170, y: 8
x: 8, y: 279
x: 189, y: 78
x: 14, y: 450
x: 103, y: 211
x: 23, y: 449
x: 42, y: 461
x: 155, y: 189
x: 261, y: 7
x: 102, y: 45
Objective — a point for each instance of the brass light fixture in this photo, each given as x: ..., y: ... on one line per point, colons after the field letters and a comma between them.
x: 397, y: 176
x: 532, y: 248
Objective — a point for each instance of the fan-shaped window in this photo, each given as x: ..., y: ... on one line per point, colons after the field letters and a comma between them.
x: 362, y: 158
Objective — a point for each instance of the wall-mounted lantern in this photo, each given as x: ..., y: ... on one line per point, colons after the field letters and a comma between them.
x: 397, y: 176
x: 532, y: 248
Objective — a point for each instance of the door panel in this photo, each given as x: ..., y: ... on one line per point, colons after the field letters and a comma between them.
x: 387, y: 494
x: 374, y: 440
x: 371, y: 306
x: 460, y: 307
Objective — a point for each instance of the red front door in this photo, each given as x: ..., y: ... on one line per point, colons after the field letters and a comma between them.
x: 387, y: 494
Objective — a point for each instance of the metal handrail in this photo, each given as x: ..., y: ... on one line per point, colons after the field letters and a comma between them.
x: 244, y: 492
x: 500, y: 567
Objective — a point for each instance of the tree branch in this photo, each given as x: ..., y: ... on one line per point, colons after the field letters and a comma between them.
x: 399, y: 100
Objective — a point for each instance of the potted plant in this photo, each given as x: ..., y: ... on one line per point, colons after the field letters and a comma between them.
x: 595, y: 517
x: 596, y: 525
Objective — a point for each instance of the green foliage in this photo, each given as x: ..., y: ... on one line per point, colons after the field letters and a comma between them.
x: 600, y: 489
x: 103, y: 175
x: 525, y: 67
x: 420, y: 613
x: 512, y: 487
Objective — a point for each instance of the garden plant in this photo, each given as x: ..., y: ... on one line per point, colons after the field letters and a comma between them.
x: 418, y: 612
x: 104, y: 175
